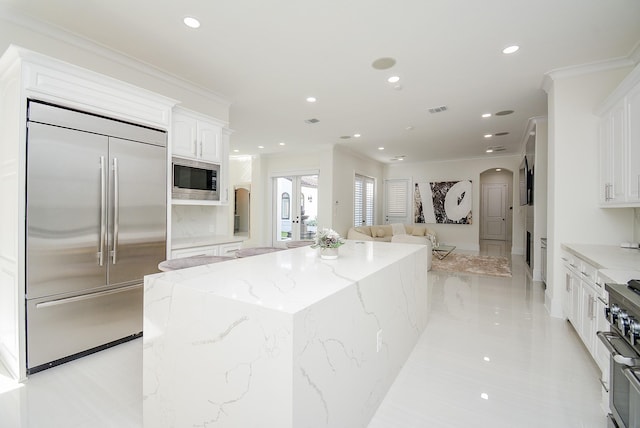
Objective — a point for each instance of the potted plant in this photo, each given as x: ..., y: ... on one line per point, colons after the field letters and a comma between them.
x: 328, y: 240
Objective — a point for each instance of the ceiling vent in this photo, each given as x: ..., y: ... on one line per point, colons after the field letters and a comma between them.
x: 500, y: 134
x: 345, y: 137
x: 438, y: 109
x: 312, y: 121
x: 497, y: 148
x: 504, y: 113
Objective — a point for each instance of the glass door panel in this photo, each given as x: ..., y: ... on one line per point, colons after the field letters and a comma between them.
x: 295, y: 207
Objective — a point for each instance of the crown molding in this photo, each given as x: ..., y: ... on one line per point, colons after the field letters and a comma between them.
x: 10, y: 15
x: 584, y: 69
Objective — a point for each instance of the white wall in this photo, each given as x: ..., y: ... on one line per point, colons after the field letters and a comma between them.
x: 573, y: 215
x: 345, y: 165
x: 463, y: 236
x: 66, y: 47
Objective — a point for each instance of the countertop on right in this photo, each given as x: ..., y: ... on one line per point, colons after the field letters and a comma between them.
x: 613, y: 261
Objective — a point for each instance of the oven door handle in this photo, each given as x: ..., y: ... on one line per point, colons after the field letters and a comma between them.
x: 617, y: 357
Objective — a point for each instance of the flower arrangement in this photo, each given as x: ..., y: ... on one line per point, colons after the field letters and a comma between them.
x: 327, y: 238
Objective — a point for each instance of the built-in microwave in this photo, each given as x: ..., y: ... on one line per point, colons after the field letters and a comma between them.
x: 195, y: 180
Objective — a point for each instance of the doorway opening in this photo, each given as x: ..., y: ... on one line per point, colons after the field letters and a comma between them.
x: 496, y: 207
x: 295, y: 207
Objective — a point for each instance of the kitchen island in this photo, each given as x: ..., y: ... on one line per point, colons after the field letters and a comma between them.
x: 284, y: 339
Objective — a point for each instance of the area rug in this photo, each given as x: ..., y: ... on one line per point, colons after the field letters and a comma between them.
x: 474, y: 265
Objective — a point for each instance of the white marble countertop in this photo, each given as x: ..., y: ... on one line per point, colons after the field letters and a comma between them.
x: 293, y: 279
x: 204, y: 240
x: 616, y: 263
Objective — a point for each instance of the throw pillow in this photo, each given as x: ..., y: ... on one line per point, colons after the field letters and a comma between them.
x: 418, y: 231
x: 380, y: 233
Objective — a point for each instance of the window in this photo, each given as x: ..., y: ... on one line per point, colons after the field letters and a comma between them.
x: 397, y: 200
x: 363, y: 201
x: 286, y: 206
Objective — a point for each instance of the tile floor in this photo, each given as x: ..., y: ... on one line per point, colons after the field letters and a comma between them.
x: 489, y: 357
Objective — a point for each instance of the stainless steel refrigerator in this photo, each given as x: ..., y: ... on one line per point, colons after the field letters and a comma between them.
x: 96, y: 224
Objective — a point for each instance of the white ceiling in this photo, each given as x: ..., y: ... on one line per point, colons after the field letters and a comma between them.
x: 266, y: 57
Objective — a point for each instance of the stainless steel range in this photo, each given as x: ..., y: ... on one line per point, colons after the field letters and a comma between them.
x: 623, y: 343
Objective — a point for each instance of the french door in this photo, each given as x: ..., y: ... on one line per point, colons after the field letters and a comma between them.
x: 295, y: 215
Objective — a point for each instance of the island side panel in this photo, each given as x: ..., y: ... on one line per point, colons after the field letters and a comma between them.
x: 211, y: 361
x: 339, y: 376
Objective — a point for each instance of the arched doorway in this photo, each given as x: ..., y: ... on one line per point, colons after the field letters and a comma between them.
x: 496, y: 209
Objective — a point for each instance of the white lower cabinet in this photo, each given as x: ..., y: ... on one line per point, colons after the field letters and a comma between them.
x: 584, y: 305
x: 227, y: 249
x: 210, y: 250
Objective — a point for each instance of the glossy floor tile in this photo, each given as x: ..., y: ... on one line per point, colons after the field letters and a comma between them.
x: 490, y: 357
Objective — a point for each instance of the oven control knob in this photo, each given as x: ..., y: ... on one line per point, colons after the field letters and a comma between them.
x: 623, y: 322
x: 634, y: 330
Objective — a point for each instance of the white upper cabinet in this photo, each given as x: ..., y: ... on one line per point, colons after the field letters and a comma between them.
x: 612, y: 156
x: 633, y: 138
x: 619, y: 140
x: 196, y: 137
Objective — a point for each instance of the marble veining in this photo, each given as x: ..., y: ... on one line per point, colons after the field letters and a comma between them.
x: 287, y: 325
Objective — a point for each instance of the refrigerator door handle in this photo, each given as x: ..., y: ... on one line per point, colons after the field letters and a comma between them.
x: 116, y: 209
x: 103, y: 207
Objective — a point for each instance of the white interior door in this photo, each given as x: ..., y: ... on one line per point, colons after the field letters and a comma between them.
x: 396, y: 201
x: 494, y: 211
x: 295, y: 207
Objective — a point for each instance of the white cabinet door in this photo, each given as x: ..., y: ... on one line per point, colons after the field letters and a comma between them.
x: 612, y: 163
x: 633, y: 141
x: 210, y: 141
x: 196, y: 138
x: 588, y: 319
x: 184, y: 136
x: 617, y: 163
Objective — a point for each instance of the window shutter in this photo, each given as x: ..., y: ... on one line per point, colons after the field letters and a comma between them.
x: 363, y: 208
x: 397, y: 198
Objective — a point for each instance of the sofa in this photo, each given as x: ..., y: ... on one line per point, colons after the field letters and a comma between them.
x: 402, y: 233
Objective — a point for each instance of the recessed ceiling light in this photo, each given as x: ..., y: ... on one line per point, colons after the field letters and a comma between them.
x: 488, y: 135
x: 486, y: 115
x: 489, y: 150
x: 498, y: 169
x: 191, y: 22
x: 311, y: 99
x: 357, y: 135
x: 409, y: 128
x: 380, y: 148
x: 383, y: 63
x: 510, y: 49
x: 236, y: 151
x: 393, y: 79
x: 282, y: 143
x: 261, y: 147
